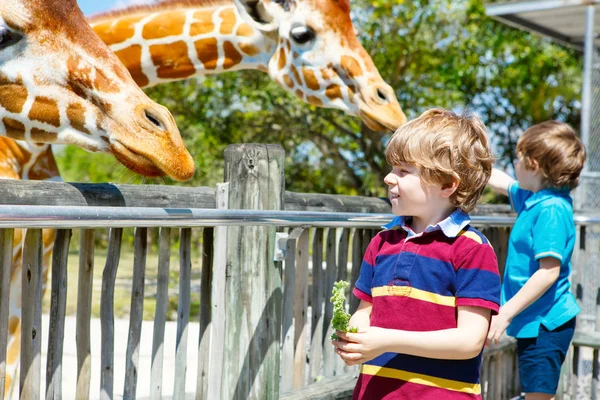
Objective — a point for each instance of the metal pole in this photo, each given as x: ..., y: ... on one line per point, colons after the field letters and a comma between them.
x: 586, y: 100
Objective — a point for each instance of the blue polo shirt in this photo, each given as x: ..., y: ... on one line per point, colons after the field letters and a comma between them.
x: 544, y: 228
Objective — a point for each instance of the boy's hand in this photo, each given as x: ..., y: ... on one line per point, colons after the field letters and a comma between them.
x: 358, y: 348
x: 497, y: 327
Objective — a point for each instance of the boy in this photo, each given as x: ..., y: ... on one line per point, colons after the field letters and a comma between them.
x: 429, y: 283
x: 538, y: 307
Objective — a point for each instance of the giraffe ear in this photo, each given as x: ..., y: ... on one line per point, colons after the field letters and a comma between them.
x: 257, y: 14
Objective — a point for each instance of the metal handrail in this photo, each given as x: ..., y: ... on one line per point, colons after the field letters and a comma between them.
x: 12, y: 216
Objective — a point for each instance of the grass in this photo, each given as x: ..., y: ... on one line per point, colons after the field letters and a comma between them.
x: 122, y: 298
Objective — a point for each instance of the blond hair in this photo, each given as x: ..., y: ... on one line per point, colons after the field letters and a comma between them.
x: 446, y: 148
x: 557, y: 150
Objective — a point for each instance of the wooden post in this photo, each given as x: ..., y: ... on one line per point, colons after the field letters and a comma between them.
x: 253, y: 280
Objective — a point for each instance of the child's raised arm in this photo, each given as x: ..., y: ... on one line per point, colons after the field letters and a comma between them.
x: 500, y: 181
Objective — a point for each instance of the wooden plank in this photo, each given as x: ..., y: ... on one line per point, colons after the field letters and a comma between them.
x: 205, y: 337
x: 253, y: 303
x: 287, y: 346
x: 31, y: 319
x: 575, y: 374
x: 318, y: 296
x: 357, y: 255
x: 342, y: 275
x: 104, y: 194
x: 330, y: 275
x: 58, y: 308
x: 183, y: 312
x: 6, y: 244
x: 213, y: 367
x: 301, y: 311
x: 136, y: 313
x: 107, y: 316
x: 160, y: 313
x: 335, y: 388
x: 594, y: 374
x: 84, y: 313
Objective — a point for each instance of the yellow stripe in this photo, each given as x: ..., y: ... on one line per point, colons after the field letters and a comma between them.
x: 457, y: 386
x: 471, y: 235
x: 413, y: 293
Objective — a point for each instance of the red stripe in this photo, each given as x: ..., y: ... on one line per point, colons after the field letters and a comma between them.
x: 362, y: 295
x: 405, y: 313
x: 369, y: 387
x: 478, y: 303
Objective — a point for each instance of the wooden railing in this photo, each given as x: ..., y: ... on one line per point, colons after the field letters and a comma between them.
x: 264, y: 324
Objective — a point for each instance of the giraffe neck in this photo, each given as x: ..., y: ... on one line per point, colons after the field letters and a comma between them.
x: 170, y: 44
x: 22, y: 160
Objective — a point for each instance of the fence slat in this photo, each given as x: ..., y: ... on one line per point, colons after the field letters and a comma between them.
x: 357, y: 255
x: 6, y: 244
x: 84, y: 313
x: 58, y: 307
x: 136, y: 313
x: 318, y: 289
x: 31, y: 320
x: 287, y: 346
x: 183, y: 312
x: 204, y: 341
x: 330, y: 275
x: 160, y: 313
x: 300, y: 310
x: 107, y: 316
x: 342, y: 275
x: 216, y: 357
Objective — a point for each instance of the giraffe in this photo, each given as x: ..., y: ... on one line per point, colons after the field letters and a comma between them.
x: 314, y: 55
x: 309, y: 47
x: 60, y: 84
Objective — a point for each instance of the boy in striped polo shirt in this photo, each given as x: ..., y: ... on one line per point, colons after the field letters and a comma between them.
x: 428, y: 284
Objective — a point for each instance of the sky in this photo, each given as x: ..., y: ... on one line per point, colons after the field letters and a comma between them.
x: 90, y: 7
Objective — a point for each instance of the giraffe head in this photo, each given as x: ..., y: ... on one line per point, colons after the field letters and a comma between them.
x: 60, y: 84
x: 321, y: 61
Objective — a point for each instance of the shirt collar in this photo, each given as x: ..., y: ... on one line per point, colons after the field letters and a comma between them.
x: 451, y: 226
x: 546, y: 194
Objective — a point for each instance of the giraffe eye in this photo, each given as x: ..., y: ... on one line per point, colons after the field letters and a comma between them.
x: 8, y: 38
x: 302, y: 34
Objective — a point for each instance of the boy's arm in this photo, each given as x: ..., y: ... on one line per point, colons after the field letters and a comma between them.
x: 500, y: 181
x: 362, y: 317
x: 533, y: 289
x: 463, y: 342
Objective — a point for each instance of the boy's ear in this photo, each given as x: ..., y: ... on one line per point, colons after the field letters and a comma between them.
x: 449, y: 188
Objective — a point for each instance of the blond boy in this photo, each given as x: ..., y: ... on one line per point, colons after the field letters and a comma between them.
x: 429, y: 283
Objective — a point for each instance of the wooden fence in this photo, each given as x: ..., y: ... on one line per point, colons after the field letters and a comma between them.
x: 264, y: 324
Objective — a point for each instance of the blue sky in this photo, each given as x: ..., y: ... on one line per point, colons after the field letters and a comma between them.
x: 95, y: 6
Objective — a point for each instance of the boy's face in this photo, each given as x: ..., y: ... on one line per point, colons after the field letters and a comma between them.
x: 529, y: 179
x: 409, y: 194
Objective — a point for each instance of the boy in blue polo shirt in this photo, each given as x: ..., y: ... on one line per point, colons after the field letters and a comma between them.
x: 537, y: 306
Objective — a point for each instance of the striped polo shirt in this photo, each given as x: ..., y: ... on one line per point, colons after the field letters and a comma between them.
x: 415, y: 283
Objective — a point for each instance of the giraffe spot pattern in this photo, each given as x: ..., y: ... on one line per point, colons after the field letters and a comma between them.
x: 43, y: 135
x: 232, y: 56
x: 163, y: 25
x: 333, y: 92
x: 203, y: 24
x: 314, y: 101
x: 113, y: 32
x: 172, y: 60
x: 131, y: 57
x: 245, y: 30
x: 310, y: 78
x: 296, y: 75
x: 288, y: 81
x: 14, y: 348
x: 228, y: 21
x: 281, y: 59
x: 13, y: 95
x: 249, y: 49
x: 351, y: 66
x: 76, y: 116
x: 299, y: 94
x: 208, y: 53
x: 14, y: 129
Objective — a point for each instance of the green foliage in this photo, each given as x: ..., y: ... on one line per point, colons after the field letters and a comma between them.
x: 340, y: 319
x: 444, y: 53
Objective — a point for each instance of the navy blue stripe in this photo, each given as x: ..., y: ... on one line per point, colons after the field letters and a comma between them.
x: 456, y: 370
x: 478, y: 283
x: 364, y: 282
